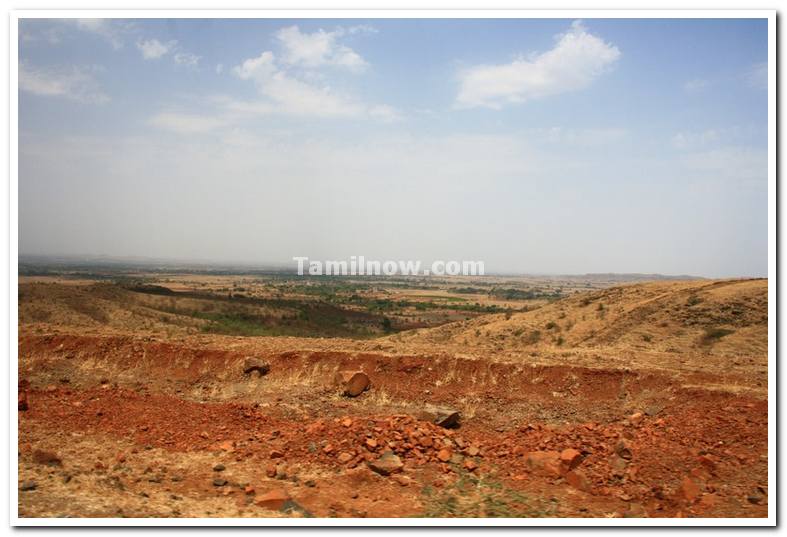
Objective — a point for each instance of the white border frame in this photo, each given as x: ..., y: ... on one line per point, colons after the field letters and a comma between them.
x: 15, y: 520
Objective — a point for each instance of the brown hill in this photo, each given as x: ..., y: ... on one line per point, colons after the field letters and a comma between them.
x: 721, y: 317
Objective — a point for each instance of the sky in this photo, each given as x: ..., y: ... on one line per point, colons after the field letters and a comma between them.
x: 542, y: 146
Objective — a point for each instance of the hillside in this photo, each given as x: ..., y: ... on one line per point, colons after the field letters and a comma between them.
x: 721, y: 317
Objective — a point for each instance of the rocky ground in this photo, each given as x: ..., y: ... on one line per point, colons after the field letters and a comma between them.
x: 127, y: 425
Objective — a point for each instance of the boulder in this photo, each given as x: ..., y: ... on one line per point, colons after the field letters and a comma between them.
x: 352, y: 383
x: 275, y: 499
x: 570, y: 458
x: 544, y: 462
x: 447, y: 418
x: 387, y: 464
x: 255, y: 364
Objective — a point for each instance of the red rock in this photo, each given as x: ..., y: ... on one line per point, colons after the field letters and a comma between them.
x: 344, y: 457
x: 371, y: 443
x: 444, y: 455
x: 352, y: 383
x: 570, y: 458
x: 473, y: 451
x: 274, y: 500
x: 327, y: 449
x: 470, y: 465
x: 347, y: 422
x: 577, y: 479
x: 276, y: 454
x: 544, y: 462
x: 709, y: 500
x: 689, y: 489
x: 636, y: 419
x: 249, y: 489
x: 708, y: 462
x: 402, y: 480
x: 270, y: 471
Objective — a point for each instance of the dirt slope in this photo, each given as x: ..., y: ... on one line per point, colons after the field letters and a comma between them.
x: 723, y: 317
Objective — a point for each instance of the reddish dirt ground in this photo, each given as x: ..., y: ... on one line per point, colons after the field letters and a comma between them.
x: 137, y: 428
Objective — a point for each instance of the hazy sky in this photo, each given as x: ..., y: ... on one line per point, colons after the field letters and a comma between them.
x: 541, y: 146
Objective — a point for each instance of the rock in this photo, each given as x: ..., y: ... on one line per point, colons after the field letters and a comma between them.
x: 274, y: 499
x: 28, y: 484
x: 623, y: 449
x: 219, y: 468
x: 577, y: 479
x: 291, y: 506
x: 636, y: 419
x: 352, y: 383
x: 544, y: 462
x: 689, y: 489
x: 444, y: 455
x: 618, y: 464
x: 344, y: 457
x: 470, y: 465
x: 371, y: 443
x: 46, y: 457
x: 472, y: 451
x: 456, y: 458
x: 709, y: 500
x: 755, y: 499
x: 276, y: 454
x: 219, y: 482
x: 255, y: 364
x: 347, y: 422
x: 444, y: 417
x: 570, y: 458
x: 387, y: 464
x: 22, y: 403
x: 270, y: 471
x: 402, y: 480
x: 281, y: 471
x: 708, y: 462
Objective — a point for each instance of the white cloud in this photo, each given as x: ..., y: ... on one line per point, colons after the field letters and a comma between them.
x: 219, y: 68
x: 186, y: 123
x: 686, y: 140
x: 577, y: 59
x: 289, y: 95
x: 695, y: 85
x: 186, y: 58
x: 318, y: 49
x: 153, y: 49
x: 102, y: 27
x: 74, y: 83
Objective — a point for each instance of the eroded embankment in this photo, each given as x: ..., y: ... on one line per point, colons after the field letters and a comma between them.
x: 556, y: 393
x: 640, y: 438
